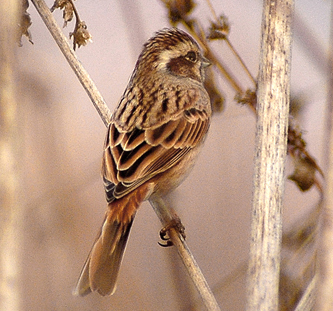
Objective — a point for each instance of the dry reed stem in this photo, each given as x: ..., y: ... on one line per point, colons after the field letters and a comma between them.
x: 324, y: 299
x: 10, y: 141
x: 270, y: 155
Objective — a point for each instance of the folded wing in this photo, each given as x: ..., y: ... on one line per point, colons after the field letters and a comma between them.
x: 131, y: 158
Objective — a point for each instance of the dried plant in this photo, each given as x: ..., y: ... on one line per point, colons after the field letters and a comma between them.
x: 80, y: 34
x: 25, y: 22
x: 298, y: 259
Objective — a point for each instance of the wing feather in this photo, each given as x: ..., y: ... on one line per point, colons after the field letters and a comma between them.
x: 135, y: 153
x: 142, y: 154
x: 160, y: 134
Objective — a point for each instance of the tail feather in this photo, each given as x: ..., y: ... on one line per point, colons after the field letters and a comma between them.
x: 101, y: 268
x: 82, y: 287
x: 106, y: 258
x: 100, y: 271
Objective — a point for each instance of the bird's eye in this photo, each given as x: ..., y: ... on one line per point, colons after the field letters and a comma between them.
x: 191, y: 56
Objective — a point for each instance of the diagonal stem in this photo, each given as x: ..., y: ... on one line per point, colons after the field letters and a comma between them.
x: 165, y: 215
x: 77, y: 67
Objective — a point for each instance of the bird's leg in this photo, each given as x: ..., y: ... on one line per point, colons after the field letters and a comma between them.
x: 169, y: 219
x: 176, y: 224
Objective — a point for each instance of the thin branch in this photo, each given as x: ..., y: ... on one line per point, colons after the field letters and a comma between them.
x: 160, y: 208
x: 324, y: 299
x: 308, y: 299
x: 77, y: 67
x: 165, y: 215
x: 240, y: 60
x: 270, y: 155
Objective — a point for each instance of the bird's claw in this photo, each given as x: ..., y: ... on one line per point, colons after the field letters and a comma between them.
x: 176, y: 224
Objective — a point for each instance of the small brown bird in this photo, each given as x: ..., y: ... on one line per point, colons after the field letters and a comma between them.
x: 153, y: 139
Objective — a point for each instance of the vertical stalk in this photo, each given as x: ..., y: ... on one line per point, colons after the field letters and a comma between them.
x: 9, y: 143
x: 270, y: 154
x: 324, y: 299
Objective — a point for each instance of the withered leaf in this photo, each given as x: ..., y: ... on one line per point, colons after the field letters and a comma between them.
x: 219, y: 29
x: 248, y: 98
x: 80, y: 35
x: 25, y: 22
x: 59, y: 4
x: 304, y: 172
x: 68, y: 13
x: 179, y: 10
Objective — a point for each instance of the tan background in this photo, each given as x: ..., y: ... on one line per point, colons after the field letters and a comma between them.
x: 62, y: 137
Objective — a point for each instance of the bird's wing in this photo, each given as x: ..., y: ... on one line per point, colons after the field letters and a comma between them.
x: 133, y: 157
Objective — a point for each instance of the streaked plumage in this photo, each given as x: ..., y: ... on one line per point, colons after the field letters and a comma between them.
x: 152, y: 141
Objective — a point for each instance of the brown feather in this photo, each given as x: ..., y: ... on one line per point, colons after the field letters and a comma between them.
x: 101, y: 269
x: 155, y: 154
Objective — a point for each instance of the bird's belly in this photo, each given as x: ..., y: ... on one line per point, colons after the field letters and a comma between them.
x: 169, y: 180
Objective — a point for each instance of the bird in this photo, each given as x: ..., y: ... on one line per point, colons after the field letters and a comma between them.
x: 153, y: 139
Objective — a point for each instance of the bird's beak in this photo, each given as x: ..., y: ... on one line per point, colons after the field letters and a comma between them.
x: 205, y: 62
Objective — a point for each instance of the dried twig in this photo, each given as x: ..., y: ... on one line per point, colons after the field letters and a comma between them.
x: 77, y: 67
x: 325, y: 255
x: 270, y: 155
x: 308, y: 299
x: 165, y: 216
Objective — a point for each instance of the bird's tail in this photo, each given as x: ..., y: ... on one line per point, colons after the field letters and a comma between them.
x: 101, y: 268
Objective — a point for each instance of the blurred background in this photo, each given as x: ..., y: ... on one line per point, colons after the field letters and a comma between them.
x: 61, y: 194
